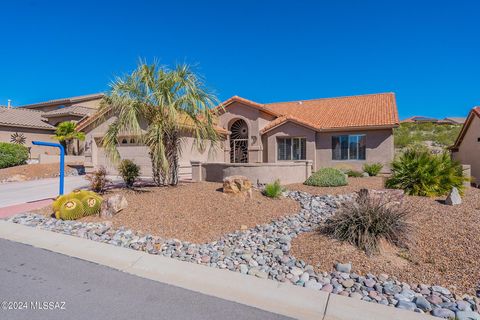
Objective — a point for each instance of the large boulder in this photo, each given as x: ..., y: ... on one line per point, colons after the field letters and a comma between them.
x: 237, y: 184
x: 113, y: 205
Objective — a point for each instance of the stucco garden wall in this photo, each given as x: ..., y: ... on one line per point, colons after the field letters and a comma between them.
x: 286, y: 172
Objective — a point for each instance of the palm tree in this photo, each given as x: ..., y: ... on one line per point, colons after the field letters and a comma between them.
x: 66, y: 132
x: 155, y: 105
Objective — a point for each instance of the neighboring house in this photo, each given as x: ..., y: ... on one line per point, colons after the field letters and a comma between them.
x: 467, y: 146
x: 37, y: 121
x: 455, y: 120
x: 331, y: 132
x: 421, y: 119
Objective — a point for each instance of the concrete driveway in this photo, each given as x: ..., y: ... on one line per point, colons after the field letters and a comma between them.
x: 90, y: 291
x: 14, y: 193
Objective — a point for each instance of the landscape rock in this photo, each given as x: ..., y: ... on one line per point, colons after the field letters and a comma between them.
x: 263, y: 251
x: 113, y: 205
x: 237, y: 184
x: 423, y: 303
x: 453, y: 198
x: 343, y: 267
x: 467, y: 315
x: 443, y: 313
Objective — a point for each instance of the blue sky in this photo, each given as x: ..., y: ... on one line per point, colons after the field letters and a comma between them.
x: 427, y: 52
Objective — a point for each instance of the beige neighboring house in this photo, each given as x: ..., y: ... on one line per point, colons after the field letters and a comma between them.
x: 274, y: 139
x: 37, y: 121
x: 467, y: 146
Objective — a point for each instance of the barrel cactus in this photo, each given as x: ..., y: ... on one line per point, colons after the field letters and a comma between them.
x: 91, y: 204
x: 71, y: 209
x: 79, y: 194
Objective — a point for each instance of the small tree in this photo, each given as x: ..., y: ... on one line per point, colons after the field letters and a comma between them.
x: 66, y: 132
x: 157, y: 105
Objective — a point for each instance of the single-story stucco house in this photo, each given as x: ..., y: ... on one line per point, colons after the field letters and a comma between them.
x: 467, y: 146
x: 286, y: 140
x: 38, y: 121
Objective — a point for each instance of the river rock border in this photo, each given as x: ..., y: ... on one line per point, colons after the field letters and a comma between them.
x: 263, y: 251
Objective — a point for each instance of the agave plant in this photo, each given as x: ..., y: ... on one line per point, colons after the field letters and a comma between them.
x: 420, y: 173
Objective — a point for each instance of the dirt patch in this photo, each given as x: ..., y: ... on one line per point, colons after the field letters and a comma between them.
x: 37, y: 171
x: 196, y: 212
x: 445, y: 247
x: 354, y: 184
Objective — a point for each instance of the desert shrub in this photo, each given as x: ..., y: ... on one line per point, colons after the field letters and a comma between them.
x: 327, y: 177
x: 421, y: 173
x: 98, y: 180
x: 273, y: 190
x: 129, y: 171
x: 365, y: 221
x: 12, y: 154
x: 354, y: 173
x: 372, y: 169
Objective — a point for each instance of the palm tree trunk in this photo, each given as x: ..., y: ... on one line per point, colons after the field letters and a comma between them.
x: 174, y: 166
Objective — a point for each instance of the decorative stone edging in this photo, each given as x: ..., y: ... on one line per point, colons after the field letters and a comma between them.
x: 263, y: 251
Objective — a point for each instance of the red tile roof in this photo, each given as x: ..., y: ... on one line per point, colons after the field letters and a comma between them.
x: 343, y: 112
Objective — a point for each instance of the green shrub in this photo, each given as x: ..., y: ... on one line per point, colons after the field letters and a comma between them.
x: 327, y: 177
x: 421, y: 173
x: 372, y: 169
x: 129, y: 171
x: 354, y: 173
x: 273, y: 190
x: 12, y: 154
x: 364, y: 222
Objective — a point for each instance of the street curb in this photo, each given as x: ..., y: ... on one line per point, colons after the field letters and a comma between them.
x: 281, y: 298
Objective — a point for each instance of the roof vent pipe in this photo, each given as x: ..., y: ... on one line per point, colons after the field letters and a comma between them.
x: 9, y: 104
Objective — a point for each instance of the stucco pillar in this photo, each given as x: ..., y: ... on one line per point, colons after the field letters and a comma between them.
x: 308, y: 168
x: 196, y: 171
x: 467, y: 173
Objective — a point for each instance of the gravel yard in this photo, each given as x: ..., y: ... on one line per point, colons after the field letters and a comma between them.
x: 35, y: 171
x: 196, y: 212
x: 354, y: 184
x: 445, y: 247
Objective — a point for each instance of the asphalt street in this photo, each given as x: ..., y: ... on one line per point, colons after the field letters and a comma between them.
x: 48, y: 285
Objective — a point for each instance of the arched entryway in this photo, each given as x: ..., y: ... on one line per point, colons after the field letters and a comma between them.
x: 239, y: 142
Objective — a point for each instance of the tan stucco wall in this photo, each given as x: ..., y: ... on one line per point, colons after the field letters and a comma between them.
x: 287, y: 172
x: 30, y: 135
x: 380, y: 148
x: 255, y: 120
x: 469, y: 150
x: 95, y: 155
x: 289, y: 129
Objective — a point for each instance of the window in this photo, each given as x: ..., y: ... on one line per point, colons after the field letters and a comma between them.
x: 291, y: 149
x: 349, y: 147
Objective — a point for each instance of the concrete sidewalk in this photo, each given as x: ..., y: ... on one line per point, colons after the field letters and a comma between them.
x: 14, y: 193
x: 269, y: 295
